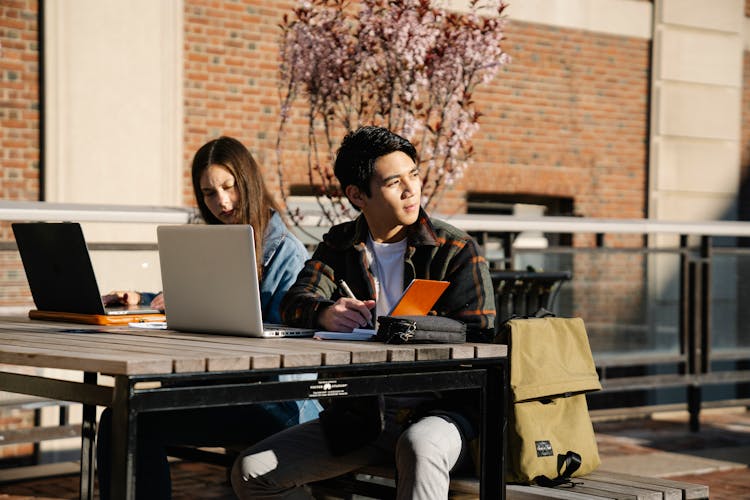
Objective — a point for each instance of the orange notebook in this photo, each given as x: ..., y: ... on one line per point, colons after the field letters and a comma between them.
x: 95, y: 319
x: 419, y: 297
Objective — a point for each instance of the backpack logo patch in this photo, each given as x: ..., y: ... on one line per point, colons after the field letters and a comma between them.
x: 543, y: 449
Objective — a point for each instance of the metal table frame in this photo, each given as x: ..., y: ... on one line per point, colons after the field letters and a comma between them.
x: 133, y: 394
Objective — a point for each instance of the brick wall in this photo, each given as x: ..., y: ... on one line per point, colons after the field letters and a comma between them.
x: 567, y: 118
x: 231, y: 68
x: 19, y: 129
x: 19, y: 101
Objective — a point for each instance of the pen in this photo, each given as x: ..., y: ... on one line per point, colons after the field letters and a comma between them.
x: 348, y: 292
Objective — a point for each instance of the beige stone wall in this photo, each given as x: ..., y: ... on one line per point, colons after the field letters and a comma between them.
x: 114, y: 107
x: 696, y: 102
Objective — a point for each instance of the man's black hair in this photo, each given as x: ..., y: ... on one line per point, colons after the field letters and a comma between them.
x: 355, y: 159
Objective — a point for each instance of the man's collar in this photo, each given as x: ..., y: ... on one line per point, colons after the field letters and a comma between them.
x: 422, y: 232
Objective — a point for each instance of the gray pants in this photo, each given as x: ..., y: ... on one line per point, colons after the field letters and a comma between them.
x: 278, y: 467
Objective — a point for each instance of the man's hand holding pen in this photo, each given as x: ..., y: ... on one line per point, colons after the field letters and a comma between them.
x: 347, y: 313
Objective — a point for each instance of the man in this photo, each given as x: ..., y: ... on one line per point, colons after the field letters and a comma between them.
x: 392, y: 242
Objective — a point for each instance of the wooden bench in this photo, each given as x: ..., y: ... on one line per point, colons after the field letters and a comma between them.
x: 37, y: 433
x: 377, y: 482
x: 22, y: 466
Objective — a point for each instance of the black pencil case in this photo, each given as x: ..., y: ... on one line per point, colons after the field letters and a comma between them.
x: 420, y: 330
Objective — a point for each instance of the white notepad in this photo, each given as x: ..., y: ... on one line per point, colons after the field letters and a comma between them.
x: 356, y: 334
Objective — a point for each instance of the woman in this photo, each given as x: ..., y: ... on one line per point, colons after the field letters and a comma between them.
x: 229, y: 189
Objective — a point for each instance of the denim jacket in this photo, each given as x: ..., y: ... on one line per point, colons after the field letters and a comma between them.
x: 283, y: 257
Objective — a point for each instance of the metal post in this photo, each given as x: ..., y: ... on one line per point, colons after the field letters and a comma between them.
x: 693, y: 318
x: 695, y: 351
x: 507, y: 242
x: 705, y: 304
x: 37, y: 445
x: 123, y: 442
x: 684, y: 318
x: 88, y: 438
x: 702, y: 330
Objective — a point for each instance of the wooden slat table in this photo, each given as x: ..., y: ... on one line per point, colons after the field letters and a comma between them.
x: 161, y: 370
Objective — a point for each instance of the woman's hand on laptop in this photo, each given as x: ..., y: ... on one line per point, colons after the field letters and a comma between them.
x: 122, y: 297
x: 158, y: 302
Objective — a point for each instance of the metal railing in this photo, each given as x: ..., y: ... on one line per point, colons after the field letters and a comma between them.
x: 666, y: 320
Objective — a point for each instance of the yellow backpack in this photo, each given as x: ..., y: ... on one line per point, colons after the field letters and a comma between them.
x: 550, y: 436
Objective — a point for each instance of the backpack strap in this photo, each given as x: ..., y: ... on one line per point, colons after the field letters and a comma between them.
x: 566, y: 466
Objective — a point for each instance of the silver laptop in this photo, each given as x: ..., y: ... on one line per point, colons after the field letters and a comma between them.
x: 210, y: 281
x: 58, y: 267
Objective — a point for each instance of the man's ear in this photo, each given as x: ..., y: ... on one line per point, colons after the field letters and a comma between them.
x: 356, y: 197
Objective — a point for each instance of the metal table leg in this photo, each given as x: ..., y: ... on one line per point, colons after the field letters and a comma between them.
x: 123, y: 442
x: 492, y: 473
x: 88, y: 438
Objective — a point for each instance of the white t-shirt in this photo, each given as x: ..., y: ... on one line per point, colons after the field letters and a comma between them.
x: 387, y: 264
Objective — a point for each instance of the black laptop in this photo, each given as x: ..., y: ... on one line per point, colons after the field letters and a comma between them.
x: 59, y: 271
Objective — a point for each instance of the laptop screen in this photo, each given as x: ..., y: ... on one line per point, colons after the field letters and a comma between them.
x: 210, y: 280
x: 58, y: 267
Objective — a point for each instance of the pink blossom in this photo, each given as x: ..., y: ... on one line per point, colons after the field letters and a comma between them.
x: 403, y: 64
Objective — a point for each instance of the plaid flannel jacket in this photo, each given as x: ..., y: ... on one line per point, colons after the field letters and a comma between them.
x: 435, y: 250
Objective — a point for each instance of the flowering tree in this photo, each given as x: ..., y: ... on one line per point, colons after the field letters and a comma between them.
x: 406, y: 65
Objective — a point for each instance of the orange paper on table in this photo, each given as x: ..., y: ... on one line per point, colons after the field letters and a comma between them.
x: 419, y: 297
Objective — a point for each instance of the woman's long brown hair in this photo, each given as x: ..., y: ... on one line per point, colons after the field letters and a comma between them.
x: 255, y: 201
